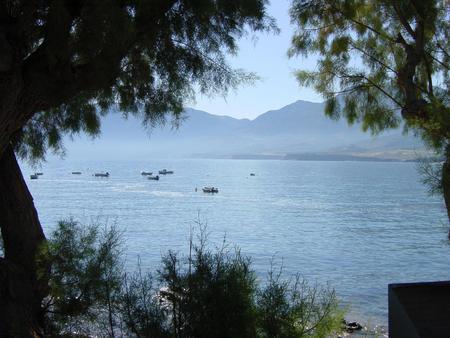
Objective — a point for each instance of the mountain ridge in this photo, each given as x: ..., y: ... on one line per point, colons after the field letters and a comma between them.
x: 297, y: 128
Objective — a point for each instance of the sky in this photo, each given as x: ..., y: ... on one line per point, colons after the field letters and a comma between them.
x: 267, y: 57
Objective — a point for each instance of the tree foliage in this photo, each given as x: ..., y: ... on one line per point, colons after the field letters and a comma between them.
x: 208, y: 293
x: 295, y: 308
x: 86, y: 272
x: 141, y: 309
x: 78, y: 58
x: 389, y: 58
x: 65, y: 63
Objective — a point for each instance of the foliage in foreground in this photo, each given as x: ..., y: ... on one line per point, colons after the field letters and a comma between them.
x: 85, y: 276
x: 209, y: 293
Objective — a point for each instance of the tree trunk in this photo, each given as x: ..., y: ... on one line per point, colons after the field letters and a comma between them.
x: 446, y: 183
x: 21, y: 289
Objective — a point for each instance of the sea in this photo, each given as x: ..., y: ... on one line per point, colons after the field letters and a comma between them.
x: 352, y: 226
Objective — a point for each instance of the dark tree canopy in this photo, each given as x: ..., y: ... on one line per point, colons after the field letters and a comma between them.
x: 390, y: 60
x: 69, y: 61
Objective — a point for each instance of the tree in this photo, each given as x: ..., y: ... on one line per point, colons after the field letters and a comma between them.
x: 294, y: 308
x: 86, y: 278
x: 210, y: 292
x: 63, y: 64
x: 389, y: 58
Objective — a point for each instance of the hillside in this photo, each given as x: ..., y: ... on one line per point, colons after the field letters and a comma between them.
x: 298, y: 128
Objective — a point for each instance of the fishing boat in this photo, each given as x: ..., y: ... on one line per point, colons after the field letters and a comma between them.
x: 102, y: 174
x: 34, y: 177
x: 210, y: 190
x: 154, y: 178
x: 76, y: 172
x: 146, y: 173
x: 165, y: 172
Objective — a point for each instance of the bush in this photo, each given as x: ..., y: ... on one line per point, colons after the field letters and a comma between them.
x: 85, y: 278
x: 209, y: 293
x: 141, y: 307
x: 294, y: 308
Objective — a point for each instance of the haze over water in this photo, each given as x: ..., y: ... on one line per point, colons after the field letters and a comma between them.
x: 355, y: 225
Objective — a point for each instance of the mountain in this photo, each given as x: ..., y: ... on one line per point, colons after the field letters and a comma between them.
x: 298, y: 128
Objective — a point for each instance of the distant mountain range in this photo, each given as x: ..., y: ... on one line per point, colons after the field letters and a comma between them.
x: 297, y: 131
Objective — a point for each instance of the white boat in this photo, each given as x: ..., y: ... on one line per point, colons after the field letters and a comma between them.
x: 210, y: 190
x: 154, y: 178
x: 165, y: 172
x: 146, y: 173
x: 102, y: 174
x: 34, y: 177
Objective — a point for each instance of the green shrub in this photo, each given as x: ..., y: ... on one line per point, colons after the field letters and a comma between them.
x: 294, y: 308
x: 208, y: 293
x: 143, y: 313
x: 211, y: 294
x: 85, y: 278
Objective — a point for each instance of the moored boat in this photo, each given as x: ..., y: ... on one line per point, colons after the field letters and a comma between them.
x: 34, y: 177
x: 146, y: 173
x: 210, y: 190
x: 102, y: 174
x: 39, y: 174
x: 165, y: 172
x: 154, y: 178
x: 76, y: 172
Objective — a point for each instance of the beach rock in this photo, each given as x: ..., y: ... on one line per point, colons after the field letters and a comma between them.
x: 352, y: 326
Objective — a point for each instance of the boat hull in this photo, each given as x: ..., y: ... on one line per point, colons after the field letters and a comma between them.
x: 209, y: 190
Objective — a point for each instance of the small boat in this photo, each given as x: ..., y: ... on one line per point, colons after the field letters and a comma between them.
x: 76, y: 172
x: 210, y: 190
x: 154, y: 178
x: 39, y: 174
x: 102, y: 174
x: 34, y: 177
x: 165, y: 172
x: 252, y: 174
x: 146, y: 173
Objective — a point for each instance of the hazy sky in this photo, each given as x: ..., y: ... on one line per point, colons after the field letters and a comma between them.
x: 268, y: 58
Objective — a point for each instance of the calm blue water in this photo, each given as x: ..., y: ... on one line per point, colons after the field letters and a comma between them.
x: 356, y: 225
